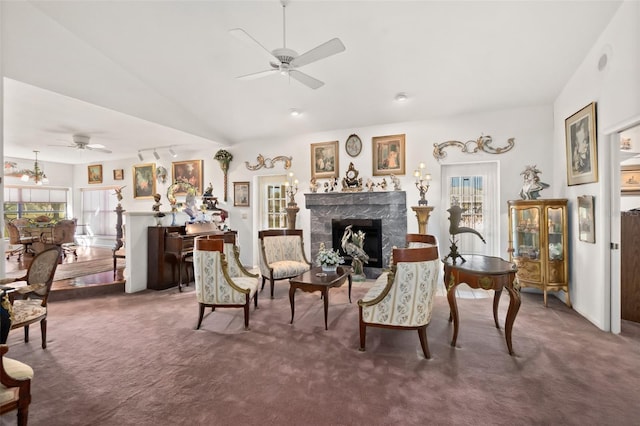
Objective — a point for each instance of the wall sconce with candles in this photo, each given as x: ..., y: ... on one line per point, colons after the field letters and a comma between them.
x: 423, y: 181
x: 37, y: 174
x: 291, y: 189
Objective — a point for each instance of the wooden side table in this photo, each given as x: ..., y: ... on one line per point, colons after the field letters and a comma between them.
x: 487, y: 273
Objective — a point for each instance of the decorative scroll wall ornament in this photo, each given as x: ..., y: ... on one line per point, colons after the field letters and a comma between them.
x: 471, y: 147
x: 224, y: 157
x: 268, y: 163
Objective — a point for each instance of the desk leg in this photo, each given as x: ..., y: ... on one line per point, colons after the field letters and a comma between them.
x: 496, y: 302
x: 514, y: 307
x: 292, y: 292
x: 325, y: 292
x: 453, y: 314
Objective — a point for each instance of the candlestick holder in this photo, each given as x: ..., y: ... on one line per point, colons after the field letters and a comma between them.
x: 423, y: 182
x: 291, y: 189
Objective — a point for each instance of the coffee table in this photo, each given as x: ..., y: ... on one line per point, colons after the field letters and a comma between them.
x: 316, y: 280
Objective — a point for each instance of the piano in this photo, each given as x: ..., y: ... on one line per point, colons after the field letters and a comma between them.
x: 167, y: 249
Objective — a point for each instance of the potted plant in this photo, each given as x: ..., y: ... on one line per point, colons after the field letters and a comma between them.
x: 329, y: 259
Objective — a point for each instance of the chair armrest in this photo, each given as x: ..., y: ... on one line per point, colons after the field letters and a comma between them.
x: 30, y: 288
x: 380, y: 296
x: 9, y: 280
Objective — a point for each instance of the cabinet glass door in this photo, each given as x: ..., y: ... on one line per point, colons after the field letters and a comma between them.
x: 556, y: 242
x: 526, y: 232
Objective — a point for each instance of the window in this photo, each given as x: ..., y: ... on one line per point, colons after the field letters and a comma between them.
x: 98, y: 207
x: 273, y: 202
x: 30, y: 202
x: 474, y: 187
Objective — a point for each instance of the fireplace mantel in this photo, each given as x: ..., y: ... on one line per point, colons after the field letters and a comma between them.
x: 390, y: 206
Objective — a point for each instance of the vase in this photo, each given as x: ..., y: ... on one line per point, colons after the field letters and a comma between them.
x: 330, y: 268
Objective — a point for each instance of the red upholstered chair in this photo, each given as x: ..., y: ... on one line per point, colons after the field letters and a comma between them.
x: 15, y: 386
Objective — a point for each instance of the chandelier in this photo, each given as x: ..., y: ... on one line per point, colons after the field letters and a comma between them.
x: 37, y: 174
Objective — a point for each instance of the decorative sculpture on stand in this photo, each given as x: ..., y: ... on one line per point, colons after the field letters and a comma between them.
x: 455, y: 215
x: 532, y: 185
x: 422, y: 183
x: 118, y: 193
x: 291, y: 189
x: 352, y: 245
x: 224, y: 157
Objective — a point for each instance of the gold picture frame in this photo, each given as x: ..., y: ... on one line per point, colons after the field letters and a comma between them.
x: 586, y: 219
x: 118, y: 174
x: 144, y: 180
x: 187, y: 171
x: 581, y: 144
x: 324, y: 160
x: 94, y: 173
x: 241, y: 194
x: 630, y: 180
x: 389, y: 155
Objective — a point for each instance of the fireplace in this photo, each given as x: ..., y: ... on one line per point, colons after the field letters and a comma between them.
x: 372, y: 229
x: 390, y: 207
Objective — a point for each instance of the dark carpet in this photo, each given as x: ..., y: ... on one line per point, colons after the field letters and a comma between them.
x: 135, y: 359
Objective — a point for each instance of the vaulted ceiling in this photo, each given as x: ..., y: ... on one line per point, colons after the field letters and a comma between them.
x: 138, y: 74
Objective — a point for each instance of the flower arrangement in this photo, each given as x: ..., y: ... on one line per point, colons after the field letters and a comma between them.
x: 328, y: 256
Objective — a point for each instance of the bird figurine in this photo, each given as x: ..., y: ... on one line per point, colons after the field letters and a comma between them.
x: 455, y: 215
x: 352, y: 244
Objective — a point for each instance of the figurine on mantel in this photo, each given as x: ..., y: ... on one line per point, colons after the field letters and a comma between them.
x: 383, y: 184
x: 370, y: 185
x: 313, y: 185
x: 396, y: 182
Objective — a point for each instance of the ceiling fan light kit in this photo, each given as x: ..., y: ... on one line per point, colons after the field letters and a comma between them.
x: 287, y: 60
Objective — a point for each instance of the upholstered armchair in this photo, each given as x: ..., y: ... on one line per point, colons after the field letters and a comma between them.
x: 63, y: 235
x: 421, y: 240
x: 402, y: 298
x: 281, y: 255
x: 219, y: 285
x: 15, y: 386
x: 16, y: 238
x: 30, y: 304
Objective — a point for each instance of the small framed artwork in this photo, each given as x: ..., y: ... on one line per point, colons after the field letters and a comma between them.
x: 581, y: 143
x: 241, y: 194
x: 586, y: 219
x: 324, y: 160
x: 144, y: 182
x: 95, y: 173
x: 190, y: 172
x: 630, y: 180
x: 388, y: 155
x: 118, y: 174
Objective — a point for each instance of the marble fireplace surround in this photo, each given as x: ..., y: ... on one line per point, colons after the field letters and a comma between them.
x: 389, y: 206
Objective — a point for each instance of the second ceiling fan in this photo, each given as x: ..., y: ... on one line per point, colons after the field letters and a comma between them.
x: 286, y: 61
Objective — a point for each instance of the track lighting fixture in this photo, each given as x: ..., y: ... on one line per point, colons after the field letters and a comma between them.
x: 155, y: 154
x: 173, y: 153
x: 155, y: 150
x: 140, y: 157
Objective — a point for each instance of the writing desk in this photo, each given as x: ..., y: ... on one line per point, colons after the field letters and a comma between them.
x: 487, y: 273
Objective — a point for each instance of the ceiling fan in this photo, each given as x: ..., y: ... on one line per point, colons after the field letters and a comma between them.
x: 288, y: 61
x: 82, y: 142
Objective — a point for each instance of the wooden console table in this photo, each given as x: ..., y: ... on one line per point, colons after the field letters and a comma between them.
x: 487, y: 273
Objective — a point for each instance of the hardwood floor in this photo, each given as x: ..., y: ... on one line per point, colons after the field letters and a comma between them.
x: 85, y: 286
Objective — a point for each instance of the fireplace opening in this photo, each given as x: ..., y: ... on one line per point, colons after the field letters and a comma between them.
x: 372, y: 229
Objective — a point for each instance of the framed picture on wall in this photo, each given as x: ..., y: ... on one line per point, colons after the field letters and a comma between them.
x: 586, y: 219
x: 388, y: 155
x: 118, y: 174
x: 241, y: 194
x: 582, y: 153
x: 95, y: 173
x: 324, y: 160
x: 190, y: 172
x: 144, y: 180
x: 630, y: 180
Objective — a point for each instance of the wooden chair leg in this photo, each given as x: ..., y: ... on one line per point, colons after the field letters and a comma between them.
x: 263, y: 281
x: 363, y: 335
x: 200, y: 316
x: 43, y: 332
x: 26, y: 333
x: 246, y: 315
x: 422, y: 333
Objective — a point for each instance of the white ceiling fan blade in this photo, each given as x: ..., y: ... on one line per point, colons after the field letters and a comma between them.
x: 106, y: 151
x: 243, y: 36
x: 258, y: 74
x: 305, y: 79
x: 329, y: 48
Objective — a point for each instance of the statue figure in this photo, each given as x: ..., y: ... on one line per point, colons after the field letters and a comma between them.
x: 370, y: 185
x: 156, y: 205
x: 532, y: 184
x: 118, y: 192
x: 396, y: 182
x: 455, y: 215
x: 313, y: 185
x: 352, y: 244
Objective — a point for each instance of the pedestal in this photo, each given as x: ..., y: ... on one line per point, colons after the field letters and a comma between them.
x: 292, y: 212
x: 422, y: 213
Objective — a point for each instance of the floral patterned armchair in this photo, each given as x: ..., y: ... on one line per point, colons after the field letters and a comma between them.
x: 221, y: 282
x: 281, y: 255
x: 15, y: 386
x: 403, y: 297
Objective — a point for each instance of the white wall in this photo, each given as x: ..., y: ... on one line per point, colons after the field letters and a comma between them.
x: 616, y: 92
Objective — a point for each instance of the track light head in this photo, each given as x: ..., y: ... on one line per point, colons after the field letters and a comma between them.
x: 140, y: 157
x: 155, y: 154
x: 173, y: 153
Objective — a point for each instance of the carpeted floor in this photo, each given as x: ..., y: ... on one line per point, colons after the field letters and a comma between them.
x: 135, y: 359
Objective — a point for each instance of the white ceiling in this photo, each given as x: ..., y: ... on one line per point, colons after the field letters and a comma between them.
x: 168, y: 67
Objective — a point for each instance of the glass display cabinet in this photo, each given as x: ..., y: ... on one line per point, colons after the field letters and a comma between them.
x: 538, y: 244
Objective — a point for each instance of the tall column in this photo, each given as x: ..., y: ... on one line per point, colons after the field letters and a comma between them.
x: 422, y: 214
